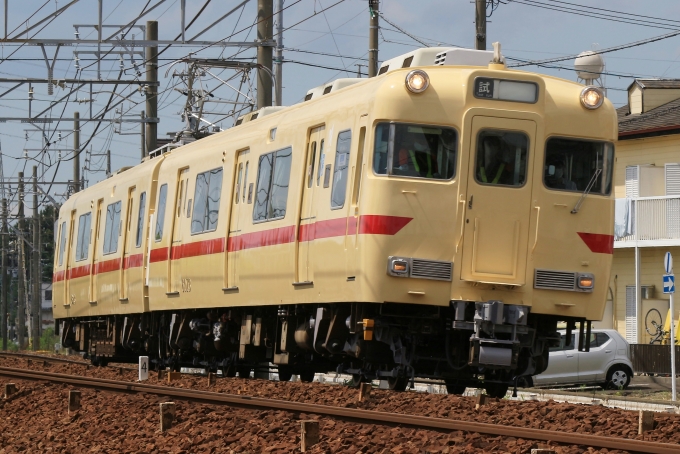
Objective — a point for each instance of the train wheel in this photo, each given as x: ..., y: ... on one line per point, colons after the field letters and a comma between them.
x: 285, y: 373
x: 452, y: 387
x: 307, y: 376
x: 497, y: 390
x: 397, y: 383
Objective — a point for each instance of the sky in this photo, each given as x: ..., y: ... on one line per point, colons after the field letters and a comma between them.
x: 323, y: 39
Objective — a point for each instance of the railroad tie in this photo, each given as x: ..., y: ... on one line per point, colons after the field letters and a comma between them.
x: 309, y: 435
x: 480, y: 401
x: 212, y: 378
x: 646, y: 421
x: 172, y: 376
x: 10, y: 388
x: 364, y: 391
x: 73, y: 401
x: 167, y: 415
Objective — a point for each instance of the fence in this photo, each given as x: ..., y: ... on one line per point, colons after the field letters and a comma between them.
x: 658, y: 219
x: 653, y: 359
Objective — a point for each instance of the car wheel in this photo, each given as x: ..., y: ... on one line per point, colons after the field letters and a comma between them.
x: 618, y: 377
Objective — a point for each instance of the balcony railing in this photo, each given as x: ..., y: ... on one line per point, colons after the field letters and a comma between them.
x: 647, y: 221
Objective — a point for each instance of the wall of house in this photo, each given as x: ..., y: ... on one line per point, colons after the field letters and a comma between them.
x: 649, y: 150
x: 651, y: 272
x: 655, y: 97
x: 635, y: 100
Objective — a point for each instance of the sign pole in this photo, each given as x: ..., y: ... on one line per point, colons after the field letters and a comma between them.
x: 673, y: 388
x: 669, y: 287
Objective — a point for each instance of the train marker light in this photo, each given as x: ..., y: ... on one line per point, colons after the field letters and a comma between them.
x: 592, y: 97
x: 398, y: 266
x: 586, y: 281
x: 417, y: 81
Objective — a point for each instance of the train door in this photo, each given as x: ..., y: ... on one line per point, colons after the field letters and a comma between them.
x: 95, y: 252
x: 67, y: 259
x: 352, y: 240
x: 177, y: 231
x: 496, y: 229
x: 241, y: 197
x: 127, y: 246
x: 307, y: 223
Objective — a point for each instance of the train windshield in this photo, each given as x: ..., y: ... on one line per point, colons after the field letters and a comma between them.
x: 415, y: 151
x: 573, y: 165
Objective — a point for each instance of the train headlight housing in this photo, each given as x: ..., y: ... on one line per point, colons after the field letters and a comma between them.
x: 398, y: 266
x: 592, y: 97
x: 585, y: 281
x: 417, y: 81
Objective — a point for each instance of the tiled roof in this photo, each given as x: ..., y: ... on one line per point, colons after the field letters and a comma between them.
x: 664, y: 117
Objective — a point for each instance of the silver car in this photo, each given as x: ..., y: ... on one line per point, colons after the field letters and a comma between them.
x: 607, y: 363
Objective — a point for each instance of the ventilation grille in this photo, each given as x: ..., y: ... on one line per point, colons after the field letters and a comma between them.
x: 555, y: 280
x: 439, y: 59
x: 430, y: 269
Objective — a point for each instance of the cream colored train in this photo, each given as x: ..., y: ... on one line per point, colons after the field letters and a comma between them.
x: 436, y: 221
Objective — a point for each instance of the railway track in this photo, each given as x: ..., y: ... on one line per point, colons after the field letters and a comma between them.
x: 348, y: 414
x: 52, y: 359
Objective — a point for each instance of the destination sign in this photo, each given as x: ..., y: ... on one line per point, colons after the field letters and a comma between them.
x: 505, y: 90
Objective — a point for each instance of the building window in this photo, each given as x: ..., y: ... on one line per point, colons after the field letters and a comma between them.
x: 207, y: 201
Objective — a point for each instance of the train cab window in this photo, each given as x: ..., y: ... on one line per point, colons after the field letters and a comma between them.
x: 501, y: 158
x: 83, y: 241
x: 574, y: 165
x: 271, y: 193
x: 415, y: 151
x: 112, y: 228
x: 62, y: 243
x: 207, y: 201
x: 160, y: 212
x: 342, y: 150
x: 140, y: 219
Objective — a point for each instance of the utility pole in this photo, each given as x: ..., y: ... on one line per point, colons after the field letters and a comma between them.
x: 143, y: 137
x: 37, y: 281
x: 3, y: 279
x: 265, y: 30
x: 373, y: 9
x: 480, y: 24
x: 108, y: 162
x: 76, y: 152
x: 278, y: 61
x: 21, y: 299
x: 151, y: 89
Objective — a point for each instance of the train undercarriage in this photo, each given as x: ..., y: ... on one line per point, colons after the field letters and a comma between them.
x: 468, y: 344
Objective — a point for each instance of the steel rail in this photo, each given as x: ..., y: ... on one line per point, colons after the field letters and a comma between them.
x: 351, y: 414
x: 49, y: 359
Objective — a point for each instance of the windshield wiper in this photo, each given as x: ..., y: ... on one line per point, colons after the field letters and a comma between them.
x: 587, y: 191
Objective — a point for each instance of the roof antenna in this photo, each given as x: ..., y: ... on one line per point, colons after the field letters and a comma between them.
x: 497, y: 58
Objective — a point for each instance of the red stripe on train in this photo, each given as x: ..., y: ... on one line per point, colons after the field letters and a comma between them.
x: 107, y: 266
x: 133, y: 261
x: 271, y: 237
x: 198, y: 248
x: 159, y: 254
x: 598, y: 242
x: 79, y: 271
x: 371, y: 224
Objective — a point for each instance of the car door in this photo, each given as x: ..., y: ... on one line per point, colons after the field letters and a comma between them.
x: 592, y: 365
x: 562, y: 364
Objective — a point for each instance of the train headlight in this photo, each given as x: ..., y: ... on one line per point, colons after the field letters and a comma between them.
x: 417, y: 81
x: 586, y: 281
x: 592, y: 97
x: 398, y: 266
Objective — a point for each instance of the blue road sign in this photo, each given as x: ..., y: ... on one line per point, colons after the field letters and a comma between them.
x: 668, y: 263
x: 669, y: 283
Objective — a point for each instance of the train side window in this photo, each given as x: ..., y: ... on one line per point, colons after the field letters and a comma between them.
x: 112, y: 228
x: 238, y: 183
x: 501, y: 158
x: 245, y: 181
x: 140, y: 219
x: 418, y: 151
x: 62, y: 243
x: 322, y: 160
x: 573, y: 165
x: 207, y: 201
x: 160, y: 212
x: 273, y: 178
x: 310, y: 168
x: 83, y: 241
x: 342, y: 149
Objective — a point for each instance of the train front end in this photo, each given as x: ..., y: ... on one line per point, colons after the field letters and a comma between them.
x: 498, y: 184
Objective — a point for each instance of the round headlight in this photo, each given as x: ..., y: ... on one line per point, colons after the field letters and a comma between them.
x: 417, y: 81
x: 592, y: 97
